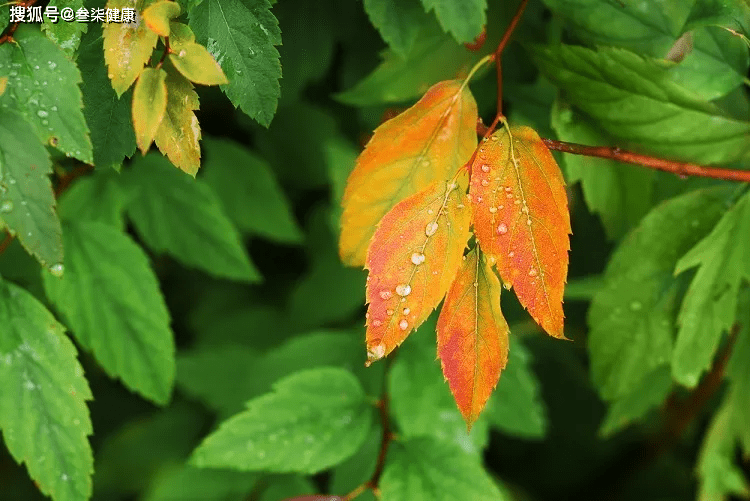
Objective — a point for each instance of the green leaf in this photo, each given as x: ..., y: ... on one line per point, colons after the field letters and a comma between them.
x: 313, y: 420
x: 730, y: 13
x: 464, y: 19
x: 711, y: 301
x: 620, y: 193
x: 226, y: 377
x: 421, y: 401
x: 426, y: 468
x: 397, y: 21
x: 176, y: 214
x: 248, y: 191
x: 633, y: 99
x: 359, y: 468
x: 131, y: 457
x: 718, y: 473
x: 631, y: 319
x: 110, y: 298
x: 98, y: 197
x: 158, y: 15
x: 241, y: 35
x: 649, y: 393
x: 516, y: 407
x: 283, y: 487
x: 108, y: 116
x: 67, y: 35
x: 43, y: 414
x: 717, y: 64
x: 26, y: 199
x: 433, y: 57
x: 312, y: 302
x: 737, y: 370
x: 201, y: 484
x: 647, y: 27
x: 197, y: 64
x: 149, y: 105
x: 43, y: 86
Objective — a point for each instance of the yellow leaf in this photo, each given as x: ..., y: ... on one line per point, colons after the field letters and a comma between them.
x: 197, y: 64
x: 3, y: 83
x: 127, y: 47
x: 149, y: 105
x: 472, y: 335
x: 413, y: 258
x: 426, y: 143
x: 179, y: 132
x: 180, y: 34
x: 158, y: 15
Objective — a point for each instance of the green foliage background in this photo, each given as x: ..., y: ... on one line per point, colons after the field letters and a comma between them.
x: 170, y: 338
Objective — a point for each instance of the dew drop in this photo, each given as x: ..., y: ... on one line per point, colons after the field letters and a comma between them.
x: 403, y: 289
x: 182, y: 53
x: 511, y: 254
x: 508, y: 189
x: 485, y: 182
x: 42, y: 113
x: 57, y: 269
x: 501, y: 207
x: 431, y: 228
x: 407, y: 311
x: 375, y: 352
x: 485, y: 168
x: 509, y: 195
x: 532, y: 272
x: 389, y: 312
x: 502, y: 229
x: 528, y: 221
x: 377, y: 323
x: 417, y: 258
x: 403, y: 325
x: 636, y: 306
x: 385, y: 294
x: 493, y: 209
x: 6, y: 206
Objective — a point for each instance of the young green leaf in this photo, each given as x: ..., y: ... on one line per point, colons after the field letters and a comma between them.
x: 717, y: 470
x: 425, y: 468
x: 44, y: 88
x: 464, y: 19
x: 179, y: 132
x: 710, y: 303
x: 241, y: 34
x: 110, y: 298
x: 413, y: 259
x: 108, y: 117
x: 158, y: 15
x: 200, y: 484
x: 398, y: 22
x: 472, y: 335
x: 249, y: 192
x: 312, y: 420
x: 426, y: 143
x: 632, y: 317
x: 647, y: 99
x: 44, y: 418
x: 127, y: 47
x: 149, y: 105
x: 26, y: 199
x: 197, y: 64
x: 521, y: 220
x: 176, y: 214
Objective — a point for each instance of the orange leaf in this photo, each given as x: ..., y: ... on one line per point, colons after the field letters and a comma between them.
x: 472, y: 335
x: 426, y: 143
x: 413, y: 258
x: 521, y: 220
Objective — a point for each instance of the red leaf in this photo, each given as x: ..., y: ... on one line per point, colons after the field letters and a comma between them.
x: 413, y: 258
x: 426, y: 143
x: 472, y: 335
x: 521, y: 220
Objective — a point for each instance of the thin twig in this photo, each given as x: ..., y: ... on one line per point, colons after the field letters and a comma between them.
x: 673, y: 166
x: 7, y: 36
x: 6, y: 241
x: 498, y: 52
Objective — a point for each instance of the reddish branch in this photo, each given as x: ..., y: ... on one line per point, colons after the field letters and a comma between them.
x: 498, y: 52
x: 8, y: 35
x: 679, y: 168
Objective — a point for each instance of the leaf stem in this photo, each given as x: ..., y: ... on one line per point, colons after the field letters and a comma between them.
x: 673, y: 166
x: 500, y: 48
x: 7, y: 36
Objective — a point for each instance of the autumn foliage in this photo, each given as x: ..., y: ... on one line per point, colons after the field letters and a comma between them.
x: 409, y: 208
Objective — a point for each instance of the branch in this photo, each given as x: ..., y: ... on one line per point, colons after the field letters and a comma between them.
x: 675, y: 167
x: 498, y: 52
x: 7, y: 36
